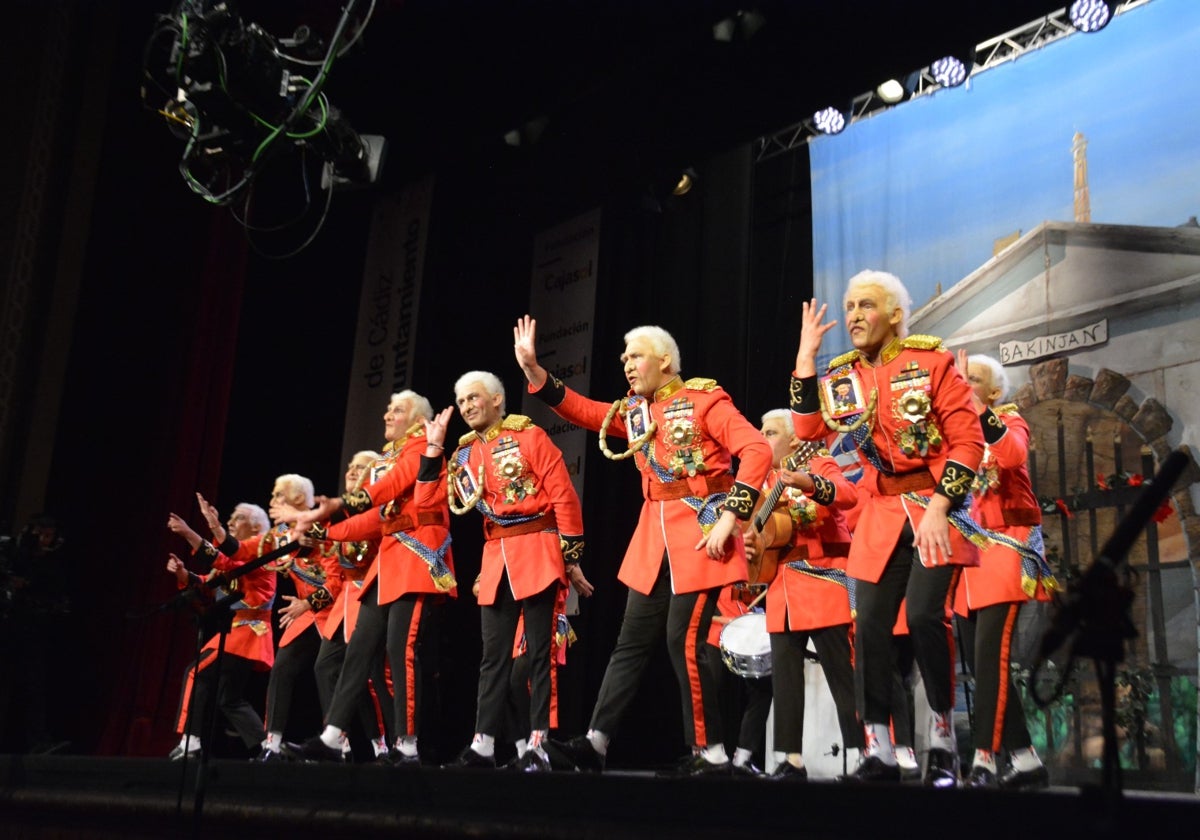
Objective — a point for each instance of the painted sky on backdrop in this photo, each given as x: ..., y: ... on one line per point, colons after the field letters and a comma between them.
x: 924, y: 189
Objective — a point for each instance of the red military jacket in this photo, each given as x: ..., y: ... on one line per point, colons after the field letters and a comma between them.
x: 925, y: 432
x: 687, y: 463
x: 309, y: 574
x: 1003, y: 501
x: 349, y: 561
x: 814, y: 597
x: 405, y: 507
x: 250, y: 637
x: 532, y: 518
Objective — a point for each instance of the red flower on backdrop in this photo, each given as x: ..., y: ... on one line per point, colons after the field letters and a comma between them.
x: 1164, y: 512
x: 1102, y: 483
x: 1135, y: 480
x: 1062, y: 506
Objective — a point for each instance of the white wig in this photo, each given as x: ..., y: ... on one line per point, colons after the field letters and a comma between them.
x: 419, y: 404
x: 300, y: 483
x: 897, y: 295
x: 491, y: 383
x: 999, y: 374
x: 662, y: 343
x: 783, y: 414
x: 256, y: 515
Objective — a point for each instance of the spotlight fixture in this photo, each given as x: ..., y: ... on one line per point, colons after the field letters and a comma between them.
x: 898, y: 90
x: 1090, y: 15
x: 829, y: 120
x: 890, y: 91
x: 949, y: 71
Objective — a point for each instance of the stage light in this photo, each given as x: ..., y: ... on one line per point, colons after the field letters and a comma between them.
x: 829, y: 120
x: 1090, y: 15
x: 890, y: 91
x: 742, y: 25
x: 949, y: 71
x: 894, y: 91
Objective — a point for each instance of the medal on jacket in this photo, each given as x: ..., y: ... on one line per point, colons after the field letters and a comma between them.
x: 917, y: 432
x: 800, y: 508
x: 687, y: 456
x: 512, y: 469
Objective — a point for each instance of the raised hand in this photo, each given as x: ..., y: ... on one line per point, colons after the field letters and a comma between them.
x: 211, y: 517
x: 524, y: 348
x: 435, y: 429
x: 176, y: 567
x: 812, y: 331
x: 177, y: 525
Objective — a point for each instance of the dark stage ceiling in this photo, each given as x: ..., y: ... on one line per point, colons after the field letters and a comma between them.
x: 614, y: 80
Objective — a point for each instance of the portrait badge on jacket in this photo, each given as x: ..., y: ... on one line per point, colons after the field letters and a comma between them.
x: 843, y: 394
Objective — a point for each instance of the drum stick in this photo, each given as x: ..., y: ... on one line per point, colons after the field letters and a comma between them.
x: 757, y: 598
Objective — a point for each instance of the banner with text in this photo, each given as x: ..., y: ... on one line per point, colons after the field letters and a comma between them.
x: 386, y: 330
x: 563, y: 300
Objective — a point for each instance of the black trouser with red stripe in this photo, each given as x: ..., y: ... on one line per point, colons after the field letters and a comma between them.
x: 925, y: 592
x: 684, y: 621
x: 374, y: 705
x: 396, y: 627
x: 988, y: 637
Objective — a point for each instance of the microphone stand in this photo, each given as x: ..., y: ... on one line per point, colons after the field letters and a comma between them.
x: 1093, y: 619
x: 216, y: 619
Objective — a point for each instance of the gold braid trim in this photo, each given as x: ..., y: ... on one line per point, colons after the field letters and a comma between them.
x: 319, y: 599
x: 922, y: 342
x: 634, y: 445
x: 356, y: 502
x: 516, y: 422
x: 796, y: 393
x: 956, y: 482
x: 572, y: 549
x: 700, y: 384
x: 844, y: 359
x: 824, y: 492
x: 740, y: 500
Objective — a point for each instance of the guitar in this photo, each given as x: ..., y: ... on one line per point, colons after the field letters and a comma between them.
x: 772, y: 527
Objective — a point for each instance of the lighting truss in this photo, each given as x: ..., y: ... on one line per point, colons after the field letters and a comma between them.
x: 991, y: 53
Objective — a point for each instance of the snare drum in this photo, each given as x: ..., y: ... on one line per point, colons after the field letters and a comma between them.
x: 746, y: 646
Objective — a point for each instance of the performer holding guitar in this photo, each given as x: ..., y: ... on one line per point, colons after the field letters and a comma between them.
x: 810, y: 596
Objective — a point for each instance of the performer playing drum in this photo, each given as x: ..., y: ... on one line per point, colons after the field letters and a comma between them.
x: 810, y: 597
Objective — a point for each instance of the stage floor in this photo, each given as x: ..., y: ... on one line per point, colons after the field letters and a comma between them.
x: 80, y: 797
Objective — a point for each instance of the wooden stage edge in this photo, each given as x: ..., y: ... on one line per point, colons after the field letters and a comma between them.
x: 82, y: 797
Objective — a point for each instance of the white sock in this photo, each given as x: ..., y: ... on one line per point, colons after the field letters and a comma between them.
x: 715, y: 754
x: 345, y: 746
x: 407, y: 744
x: 274, y: 741
x: 906, y: 758
x: 485, y: 745
x: 521, y: 745
x: 1025, y: 760
x: 741, y: 757
x: 599, y: 741
x: 379, y: 745
x: 985, y: 759
x: 190, y: 743
x: 941, y: 731
x: 878, y: 738
x: 332, y: 737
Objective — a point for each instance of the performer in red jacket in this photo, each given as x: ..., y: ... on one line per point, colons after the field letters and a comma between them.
x: 683, y: 437
x: 249, y: 645
x: 404, y: 505
x: 1013, y: 571
x: 920, y: 442
x: 810, y: 596
x: 509, y: 470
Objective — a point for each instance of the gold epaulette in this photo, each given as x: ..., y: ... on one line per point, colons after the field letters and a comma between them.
x: 700, y: 384
x: 1007, y: 408
x: 922, y: 342
x: 844, y: 359
x: 416, y: 429
x: 516, y: 422
x: 467, y: 438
